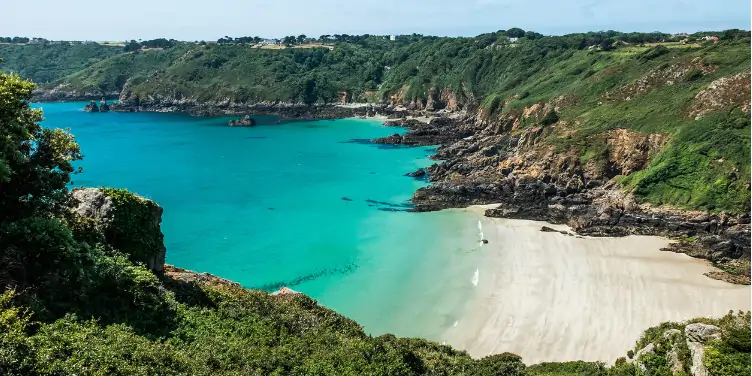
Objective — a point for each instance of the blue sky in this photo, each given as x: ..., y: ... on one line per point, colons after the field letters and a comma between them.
x: 211, y: 19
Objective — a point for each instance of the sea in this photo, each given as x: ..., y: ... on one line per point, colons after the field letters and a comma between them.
x: 310, y: 205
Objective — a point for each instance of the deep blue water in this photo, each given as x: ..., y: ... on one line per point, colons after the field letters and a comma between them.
x: 309, y: 205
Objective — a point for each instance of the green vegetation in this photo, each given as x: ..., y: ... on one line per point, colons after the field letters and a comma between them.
x: 43, y: 63
x: 77, y: 300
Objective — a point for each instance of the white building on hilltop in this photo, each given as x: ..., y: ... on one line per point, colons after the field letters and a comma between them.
x: 392, y: 38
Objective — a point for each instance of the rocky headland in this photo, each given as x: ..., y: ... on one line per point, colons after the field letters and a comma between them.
x: 485, y: 160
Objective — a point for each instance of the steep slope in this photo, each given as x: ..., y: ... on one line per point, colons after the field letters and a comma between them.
x: 43, y: 63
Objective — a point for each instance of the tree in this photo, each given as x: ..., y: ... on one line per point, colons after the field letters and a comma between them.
x: 132, y: 46
x: 289, y: 40
x: 35, y: 168
x: 607, y: 44
x: 515, y: 32
x: 301, y: 38
x: 35, y: 162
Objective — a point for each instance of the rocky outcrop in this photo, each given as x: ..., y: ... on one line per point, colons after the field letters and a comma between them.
x: 245, y: 121
x: 437, y: 131
x: 697, y: 336
x: 664, y: 76
x: 403, y: 122
x: 191, y: 276
x: 723, y: 93
x: 509, y: 159
x: 103, y: 106
x: 125, y: 222
x: 285, y: 291
x: 91, y: 107
x: 640, y: 354
x: 419, y: 173
x: 672, y: 337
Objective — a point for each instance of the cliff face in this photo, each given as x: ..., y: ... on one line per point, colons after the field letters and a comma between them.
x: 124, y: 222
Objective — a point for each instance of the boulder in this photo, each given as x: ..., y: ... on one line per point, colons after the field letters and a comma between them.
x: 701, y: 333
x: 697, y: 335
x: 124, y: 222
x: 245, y: 121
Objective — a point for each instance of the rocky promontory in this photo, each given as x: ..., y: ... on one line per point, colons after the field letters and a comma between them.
x: 499, y: 161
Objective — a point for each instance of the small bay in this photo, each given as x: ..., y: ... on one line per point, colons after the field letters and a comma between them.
x: 311, y: 205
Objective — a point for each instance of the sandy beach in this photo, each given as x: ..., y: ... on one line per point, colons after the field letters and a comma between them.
x: 554, y: 297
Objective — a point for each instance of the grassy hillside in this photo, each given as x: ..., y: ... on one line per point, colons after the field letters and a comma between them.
x: 46, y: 63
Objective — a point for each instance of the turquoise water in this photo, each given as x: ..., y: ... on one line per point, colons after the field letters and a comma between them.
x: 308, y: 205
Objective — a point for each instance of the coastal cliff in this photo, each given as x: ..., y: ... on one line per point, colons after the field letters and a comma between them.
x: 526, y: 170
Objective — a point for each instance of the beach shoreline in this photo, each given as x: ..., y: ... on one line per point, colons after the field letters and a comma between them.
x: 547, y: 296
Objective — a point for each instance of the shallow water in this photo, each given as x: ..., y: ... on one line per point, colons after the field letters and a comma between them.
x: 312, y: 206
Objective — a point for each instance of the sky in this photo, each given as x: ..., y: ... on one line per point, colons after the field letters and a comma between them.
x: 212, y: 19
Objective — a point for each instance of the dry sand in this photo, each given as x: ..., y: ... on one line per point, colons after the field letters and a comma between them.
x: 553, y: 297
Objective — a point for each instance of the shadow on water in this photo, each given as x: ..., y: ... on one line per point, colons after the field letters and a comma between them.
x: 368, y: 141
x: 390, y: 207
x: 308, y: 278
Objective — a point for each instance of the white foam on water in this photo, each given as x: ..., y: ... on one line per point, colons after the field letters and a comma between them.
x: 455, y: 324
x: 476, y: 276
x: 480, y: 231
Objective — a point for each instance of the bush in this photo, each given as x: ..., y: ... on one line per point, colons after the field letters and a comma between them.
x: 505, y: 364
x: 653, y: 53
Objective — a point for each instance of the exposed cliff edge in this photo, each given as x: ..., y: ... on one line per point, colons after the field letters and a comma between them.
x: 122, y: 221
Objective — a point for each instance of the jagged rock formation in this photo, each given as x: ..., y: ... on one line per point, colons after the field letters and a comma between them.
x: 419, y: 173
x: 103, y: 106
x: 697, y: 336
x: 92, y: 107
x: 245, y: 121
x: 123, y: 221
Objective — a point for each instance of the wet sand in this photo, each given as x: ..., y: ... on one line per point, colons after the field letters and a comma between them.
x: 554, y: 297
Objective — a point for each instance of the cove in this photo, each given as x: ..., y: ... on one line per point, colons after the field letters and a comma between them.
x: 309, y: 205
